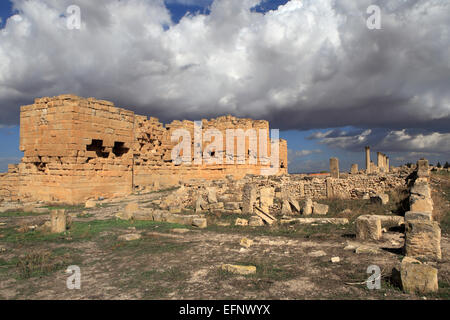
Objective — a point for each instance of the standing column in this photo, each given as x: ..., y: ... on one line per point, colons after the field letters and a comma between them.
x: 334, y: 168
x: 387, y: 165
x: 380, y: 161
x: 368, y: 168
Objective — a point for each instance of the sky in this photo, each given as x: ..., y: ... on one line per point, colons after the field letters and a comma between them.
x: 313, y: 68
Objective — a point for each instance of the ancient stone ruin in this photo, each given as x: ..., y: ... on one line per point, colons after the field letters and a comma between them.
x: 76, y: 149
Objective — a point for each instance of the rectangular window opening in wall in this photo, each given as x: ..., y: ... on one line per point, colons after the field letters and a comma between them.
x: 119, y: 149
x: 97, y: 146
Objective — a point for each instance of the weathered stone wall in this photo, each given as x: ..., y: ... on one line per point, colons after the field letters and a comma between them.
x: 9, y: 184
x: 153, y: 148
x: 298, y: 187
x: 76, y: 148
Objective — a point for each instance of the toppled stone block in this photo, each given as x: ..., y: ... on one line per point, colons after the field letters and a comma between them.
x: 335, y: 260
x: 246, y: 243
x: 412, y: 215
x: 417, y: 277
x: 241, y: 222
x: 368, y: 227
x: 129, y: 237
x: 200, y: 223
x: 367, y: 250
x: 335, y: 221
x: 381, y: 199
x: 320, y: 209
x: 236, y: 269
x: 255, y: 221
x: 295, y: 206
x: 268, y: 218
x: 423, y: 239
x: 317, y: 254
x: 286, y: 208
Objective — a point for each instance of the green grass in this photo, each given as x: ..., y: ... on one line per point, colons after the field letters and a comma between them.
x: 69, y: 208
x: 284, y: 230
x: 38, y: 263
x: 267, y: 273
x: 13, y: 214
x: 84, y: 231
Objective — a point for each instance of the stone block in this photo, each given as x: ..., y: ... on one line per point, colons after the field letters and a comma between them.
x: 381, y: 199
x: 417, y: 277
x: 320, y: 209
x: 423, y: 239
x: 413, y: 215
x: 368, y: 227
x: 58, y: 221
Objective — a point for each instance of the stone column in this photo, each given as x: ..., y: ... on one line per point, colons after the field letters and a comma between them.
x: 334, y: 168
x: 58, y: 221
x: 388, y: 168
x: 368, y: 168
x: 354, y: 169
x: 380, y: 161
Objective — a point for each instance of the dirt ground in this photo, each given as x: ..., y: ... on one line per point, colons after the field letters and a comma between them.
x: 165, y: 264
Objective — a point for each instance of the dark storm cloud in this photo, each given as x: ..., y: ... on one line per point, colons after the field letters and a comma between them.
x: 309, y: 64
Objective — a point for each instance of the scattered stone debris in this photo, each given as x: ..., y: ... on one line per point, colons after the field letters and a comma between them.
x: 335, y: 260
x: 317, y: 221
x: 316, y: 254
x: 367, y: 250
x: 241, y: 222
x: 246, y: 243
x: 129, y: 237
x: 269, y: 219
x: 182, y: 231
x: 255, y: 221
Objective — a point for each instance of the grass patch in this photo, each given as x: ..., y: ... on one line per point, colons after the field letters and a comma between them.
x: 84, y: 231
x: 294, y: 230
x: 267, y: 273
x: 42, y: 263
x: 14, y: 214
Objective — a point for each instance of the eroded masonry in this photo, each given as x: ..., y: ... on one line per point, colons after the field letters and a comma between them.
x: 76, y: 149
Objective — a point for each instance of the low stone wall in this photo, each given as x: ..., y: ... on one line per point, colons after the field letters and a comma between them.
x: 9, y: 184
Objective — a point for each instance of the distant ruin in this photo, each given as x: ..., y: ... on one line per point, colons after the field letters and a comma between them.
x: 76, y: 149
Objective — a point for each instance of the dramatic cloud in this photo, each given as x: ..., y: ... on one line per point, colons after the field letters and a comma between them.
x: 309, y: 64
x: 301, y: 153
x: 416, y: 144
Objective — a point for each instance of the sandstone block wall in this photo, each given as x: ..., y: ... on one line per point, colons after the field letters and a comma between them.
x: 9, y: 184
x: 76, y: 149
